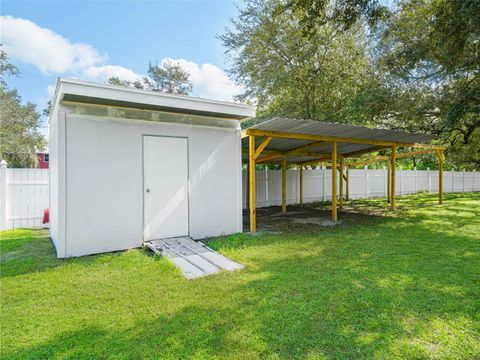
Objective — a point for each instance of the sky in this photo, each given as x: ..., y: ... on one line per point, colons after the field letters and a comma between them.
x: 93, y: 40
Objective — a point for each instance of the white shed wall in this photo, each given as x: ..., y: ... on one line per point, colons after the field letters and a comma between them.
x: 53, y: 143
x: 104, y: 182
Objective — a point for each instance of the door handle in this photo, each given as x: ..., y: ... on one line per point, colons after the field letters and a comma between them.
x: 148, y: 190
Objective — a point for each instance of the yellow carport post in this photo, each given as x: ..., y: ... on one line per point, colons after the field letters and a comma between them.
x: 251, y: 183
x: 334, y: 181
x: 392, y: 186
x: 284, y: 186
x: 440, y: 176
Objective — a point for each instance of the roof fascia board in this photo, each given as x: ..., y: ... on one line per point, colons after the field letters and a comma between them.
x: 104, y: 91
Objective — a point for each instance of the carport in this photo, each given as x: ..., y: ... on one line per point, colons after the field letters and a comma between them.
x: 303, y: 142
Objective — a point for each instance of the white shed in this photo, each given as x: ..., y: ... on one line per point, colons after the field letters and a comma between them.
x: 128, y: 166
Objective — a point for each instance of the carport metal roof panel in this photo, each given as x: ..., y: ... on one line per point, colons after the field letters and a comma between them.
x: 312, y: 127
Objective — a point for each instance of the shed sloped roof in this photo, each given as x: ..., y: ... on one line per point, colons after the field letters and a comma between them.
x: 317, y: 128
x: 85, y: 92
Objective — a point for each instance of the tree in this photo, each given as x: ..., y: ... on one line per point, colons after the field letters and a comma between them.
x: 20, y: 137
x: 6, y: 68
x: 169, y: 77
x: 431, y: 50
x: 345, y: 13
x: 417, y: 69
x: 115, y: 80
x: 321, y: 76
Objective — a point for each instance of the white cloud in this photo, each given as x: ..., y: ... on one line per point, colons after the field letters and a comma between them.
x: 53, y: 54
x: 50, y: 52
x: 103, y: 73
x: 209, y: 80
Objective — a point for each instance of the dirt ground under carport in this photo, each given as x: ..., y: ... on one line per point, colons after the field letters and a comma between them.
x: 314, y: 216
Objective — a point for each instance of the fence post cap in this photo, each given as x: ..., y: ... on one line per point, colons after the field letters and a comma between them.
x: 3, y: 164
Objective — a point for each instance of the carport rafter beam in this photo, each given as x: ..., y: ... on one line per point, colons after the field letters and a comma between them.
x: 374, y: 159
x: 280, y: 156
x: 356, y: 154
x: 316, y: 161
x: 370, y: 160
x: 300, y: 150
x: 337, y: 139
x: 270, y: 156
x: 265, y: 151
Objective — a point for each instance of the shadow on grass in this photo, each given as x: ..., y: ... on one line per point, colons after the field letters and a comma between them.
x: 404, y: 288
x: 191, y: 332
x: 354, y: 306
x: 379, y: 295
x: 25, y: 251
x: 407, y: 287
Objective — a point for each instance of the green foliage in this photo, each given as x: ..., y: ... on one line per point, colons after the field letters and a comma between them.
x: 345, y: 13
x: 320, y: 76
x: 6, y: 68
x: 431, y: 50
x: 169, y: 77
x: 20, y: 137
x: 115, y: 80
x: 402, y: 287
x: 416, y: 70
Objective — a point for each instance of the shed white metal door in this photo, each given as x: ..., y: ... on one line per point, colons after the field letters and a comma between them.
x: 165, y: 174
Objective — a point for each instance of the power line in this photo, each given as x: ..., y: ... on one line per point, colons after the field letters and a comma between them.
x: 34, y: 49
x: 36, y: 75
x: 64, y: 56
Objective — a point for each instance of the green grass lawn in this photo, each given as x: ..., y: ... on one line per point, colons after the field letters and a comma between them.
x: 395, y: 287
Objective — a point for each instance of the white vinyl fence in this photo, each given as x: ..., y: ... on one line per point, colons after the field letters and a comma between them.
x: 24, y: 192
x: 364, y: 183
x: 23, y: 197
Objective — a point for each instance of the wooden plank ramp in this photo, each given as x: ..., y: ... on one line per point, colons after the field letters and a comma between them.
x: 193, y: 258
